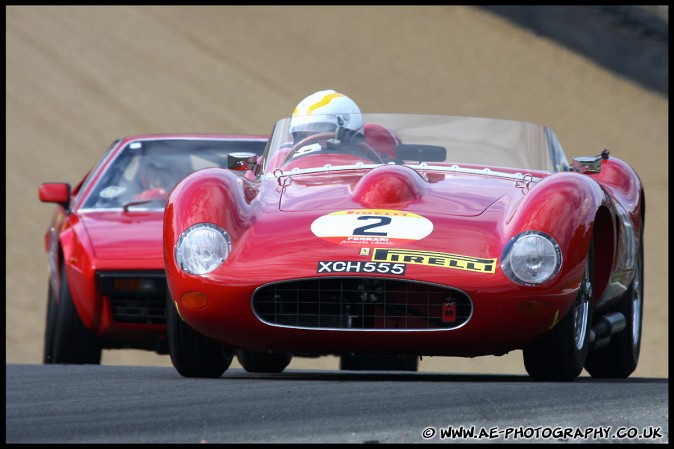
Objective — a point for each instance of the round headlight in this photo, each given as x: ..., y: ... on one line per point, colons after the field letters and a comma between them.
x: 202, y: 248
x: 531, y: 258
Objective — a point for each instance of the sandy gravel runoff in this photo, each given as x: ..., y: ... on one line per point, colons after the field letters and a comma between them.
x: 79, y: 77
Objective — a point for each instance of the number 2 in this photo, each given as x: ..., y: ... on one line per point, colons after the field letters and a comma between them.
x: 364, y: 230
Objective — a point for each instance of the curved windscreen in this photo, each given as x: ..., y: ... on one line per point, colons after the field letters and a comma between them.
x: 145, y: 170
x: 416, y: 138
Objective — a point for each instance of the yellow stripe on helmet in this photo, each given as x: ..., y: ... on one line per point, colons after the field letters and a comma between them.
x: 324, y: 101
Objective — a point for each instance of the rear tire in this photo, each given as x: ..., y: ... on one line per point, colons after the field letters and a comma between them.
x: 192, y: 354
x: 73, y: 342
x: 560, y: 355
x: 620, y: 357
x: 359, y: 362
x: 263, y: 362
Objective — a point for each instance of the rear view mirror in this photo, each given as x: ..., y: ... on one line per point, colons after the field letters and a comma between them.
x: 55, y: 192
x: 241, y: 160
x: 421, y: 153
x: 589, y: 164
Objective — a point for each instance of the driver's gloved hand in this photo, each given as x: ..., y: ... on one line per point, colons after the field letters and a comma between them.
x: 348, y: 136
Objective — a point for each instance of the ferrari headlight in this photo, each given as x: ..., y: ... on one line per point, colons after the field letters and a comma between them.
x: 202, y: 248
x: 531, y: 258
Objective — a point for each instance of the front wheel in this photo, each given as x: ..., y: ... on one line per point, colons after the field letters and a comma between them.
x: 67, y: 339
x: 619, y: 359
x: 192, y: 354
x: 560, y: 355
x: 50, y: 327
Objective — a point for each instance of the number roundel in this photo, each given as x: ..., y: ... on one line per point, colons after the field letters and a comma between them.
x: 371, y: 227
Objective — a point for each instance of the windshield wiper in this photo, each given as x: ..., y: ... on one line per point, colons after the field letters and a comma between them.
x: 135, y: 203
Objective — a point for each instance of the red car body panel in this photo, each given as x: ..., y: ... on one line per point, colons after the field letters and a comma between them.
x: 117, y: 236
x: 238, y: 326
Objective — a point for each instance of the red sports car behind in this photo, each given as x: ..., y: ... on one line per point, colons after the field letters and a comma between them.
x: 107, y: 284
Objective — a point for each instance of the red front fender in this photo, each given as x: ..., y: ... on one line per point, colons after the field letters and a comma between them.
x: 211, y: 195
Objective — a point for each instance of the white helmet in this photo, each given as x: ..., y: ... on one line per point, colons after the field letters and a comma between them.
x: 325, y: 111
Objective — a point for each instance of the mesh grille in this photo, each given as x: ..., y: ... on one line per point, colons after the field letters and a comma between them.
x: 361, y: 303
x: 145, y: 310
x: 144, y: 305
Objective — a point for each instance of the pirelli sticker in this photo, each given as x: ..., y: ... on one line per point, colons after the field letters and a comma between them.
x: 434, y: 259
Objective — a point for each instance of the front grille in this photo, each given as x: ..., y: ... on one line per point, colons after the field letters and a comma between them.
x: 361, y: 303
x: 135, y: 296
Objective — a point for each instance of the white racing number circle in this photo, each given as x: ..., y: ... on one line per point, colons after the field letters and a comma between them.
x: 371, y: 227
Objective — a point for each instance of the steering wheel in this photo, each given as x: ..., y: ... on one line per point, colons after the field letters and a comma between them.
x: 319, y: 144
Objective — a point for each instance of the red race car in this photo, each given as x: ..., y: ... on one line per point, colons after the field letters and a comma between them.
x: 421, y: 235
x: 107, y: 285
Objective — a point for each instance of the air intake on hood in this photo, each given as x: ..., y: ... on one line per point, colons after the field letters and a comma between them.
x: 389, y: 185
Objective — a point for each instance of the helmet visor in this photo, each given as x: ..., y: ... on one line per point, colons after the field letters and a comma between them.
x: 314, y: 127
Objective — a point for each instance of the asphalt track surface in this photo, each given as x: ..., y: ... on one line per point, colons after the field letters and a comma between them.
x: 103, y: 404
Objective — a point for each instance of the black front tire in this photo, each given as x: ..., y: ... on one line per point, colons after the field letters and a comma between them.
x: 561, y: 354
x: 50, y: 327
x: 263, y: 362
x: 620, y: 357
x: 73, y: 342
x: 192, y: 354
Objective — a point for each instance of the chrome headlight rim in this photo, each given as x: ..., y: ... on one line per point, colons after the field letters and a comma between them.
x: 551, y: 267
x: 192, y: 266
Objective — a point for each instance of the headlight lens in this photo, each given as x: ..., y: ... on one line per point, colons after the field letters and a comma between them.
x: 531, y: 258
x: 202, y: 248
